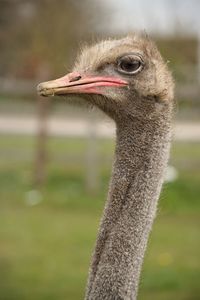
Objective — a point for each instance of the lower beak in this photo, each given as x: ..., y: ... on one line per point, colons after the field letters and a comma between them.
x: 75, y: 83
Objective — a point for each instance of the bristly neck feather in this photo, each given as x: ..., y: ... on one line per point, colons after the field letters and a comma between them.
x: 141, y: 155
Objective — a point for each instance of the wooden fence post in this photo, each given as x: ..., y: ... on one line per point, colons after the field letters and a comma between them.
x: 92, y: 164
x: 40, y: 174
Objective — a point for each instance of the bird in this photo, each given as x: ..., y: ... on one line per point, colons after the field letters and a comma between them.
x: 129, y: 81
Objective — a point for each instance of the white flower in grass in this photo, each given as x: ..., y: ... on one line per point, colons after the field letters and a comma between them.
x: 171, y: 174
x: 33, y: 197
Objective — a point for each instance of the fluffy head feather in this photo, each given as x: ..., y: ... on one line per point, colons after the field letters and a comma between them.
x: 151, y: 87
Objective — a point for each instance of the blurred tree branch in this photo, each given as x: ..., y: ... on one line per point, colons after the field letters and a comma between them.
x: 32, y: 31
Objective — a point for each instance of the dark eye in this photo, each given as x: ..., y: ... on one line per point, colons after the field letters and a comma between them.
x: 129, y: 64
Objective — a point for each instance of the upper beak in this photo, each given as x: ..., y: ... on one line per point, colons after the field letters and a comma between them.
x: 73, y: 83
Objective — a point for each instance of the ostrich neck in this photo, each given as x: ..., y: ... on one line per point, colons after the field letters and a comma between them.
x: 141, y: 156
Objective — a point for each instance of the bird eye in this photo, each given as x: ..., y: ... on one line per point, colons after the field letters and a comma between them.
x: 129, y: 64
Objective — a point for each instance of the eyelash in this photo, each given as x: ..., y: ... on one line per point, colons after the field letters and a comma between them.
x: 102, y: 66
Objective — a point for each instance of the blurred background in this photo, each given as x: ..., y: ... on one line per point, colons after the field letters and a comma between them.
x: 55, y: 157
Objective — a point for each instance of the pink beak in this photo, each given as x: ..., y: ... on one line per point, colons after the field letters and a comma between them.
x: 74, y: 83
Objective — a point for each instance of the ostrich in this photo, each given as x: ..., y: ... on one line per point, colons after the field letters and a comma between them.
x: 129, y: 81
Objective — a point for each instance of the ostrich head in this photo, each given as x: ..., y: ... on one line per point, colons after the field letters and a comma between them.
x: 124, y: 78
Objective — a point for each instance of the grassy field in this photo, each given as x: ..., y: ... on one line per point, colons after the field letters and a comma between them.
x: 45, y: 248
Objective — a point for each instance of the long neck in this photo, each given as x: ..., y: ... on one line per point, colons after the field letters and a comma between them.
x: 141, y: 156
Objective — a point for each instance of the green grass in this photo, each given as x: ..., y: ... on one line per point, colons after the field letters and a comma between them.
x: 45, y: 249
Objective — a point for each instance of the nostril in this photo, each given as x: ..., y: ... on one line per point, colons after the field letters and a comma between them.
x: 76, y: 78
